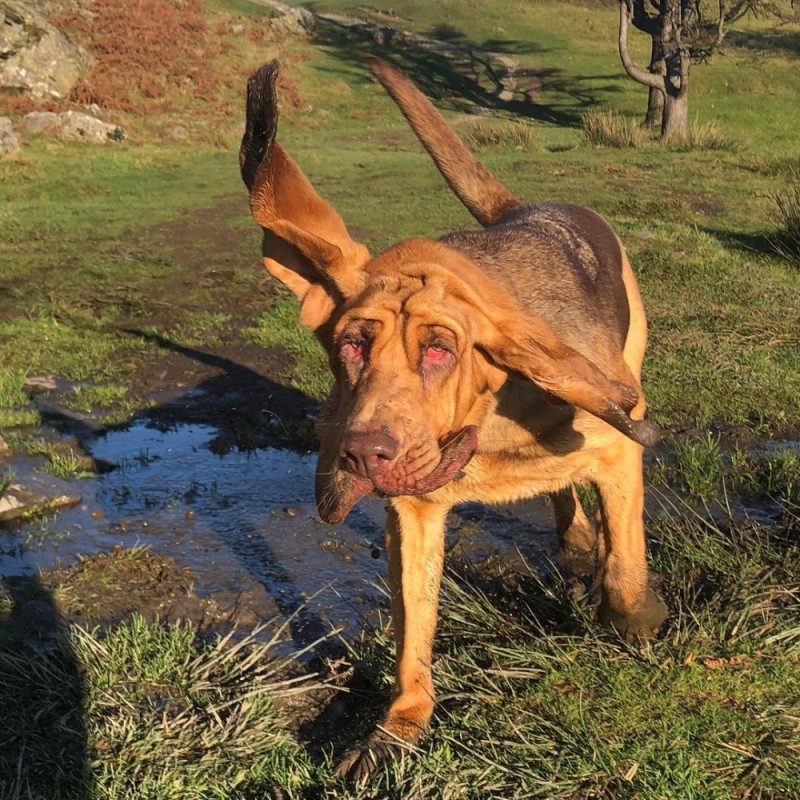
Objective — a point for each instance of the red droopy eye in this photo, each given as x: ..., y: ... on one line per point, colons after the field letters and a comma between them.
x: 435, y: 355
x: 353, y: 350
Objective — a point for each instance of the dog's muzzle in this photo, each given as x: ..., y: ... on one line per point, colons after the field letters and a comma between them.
x: 369, y: 463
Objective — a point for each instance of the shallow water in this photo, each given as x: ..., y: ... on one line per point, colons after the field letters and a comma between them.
x: 241, y: 519
x: 246, y: 522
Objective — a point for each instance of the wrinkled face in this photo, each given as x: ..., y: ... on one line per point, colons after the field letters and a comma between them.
x: 410, y: 384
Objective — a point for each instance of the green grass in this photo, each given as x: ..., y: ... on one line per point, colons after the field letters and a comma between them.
x: 610, y: 129
x: 786, y: 240
x: 278, y: 327
x: 157, y: 235
x: 146, y: 710
x: 60, y: 459
x: 6, y: 479
x: 481, y: 134
x: 535, y: 699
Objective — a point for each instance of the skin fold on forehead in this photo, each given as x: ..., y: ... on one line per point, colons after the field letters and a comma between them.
x: 421, y: 295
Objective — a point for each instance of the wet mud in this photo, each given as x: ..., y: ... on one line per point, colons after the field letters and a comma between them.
x: 182, y: 528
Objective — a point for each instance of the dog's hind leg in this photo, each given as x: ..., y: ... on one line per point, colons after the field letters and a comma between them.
x: 415, y: 552
x: 577, y: 534
x: 626, y: 600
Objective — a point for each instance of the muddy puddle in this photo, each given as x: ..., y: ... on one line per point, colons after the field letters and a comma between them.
x: 245, y: 525
x: 232, y: 537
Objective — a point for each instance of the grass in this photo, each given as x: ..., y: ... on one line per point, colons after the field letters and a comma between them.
x: 699, y: 467
x: 786, y: 239
x: 60, y: 459
x: 146, y: 710
x: 278, y: 327
x: 6, y: 479
x: 709, y: 136
x: 480, y: 134
x: 172, y: 246
x: 535, y: 699
x: 533, y: 707
x: 610, y: 129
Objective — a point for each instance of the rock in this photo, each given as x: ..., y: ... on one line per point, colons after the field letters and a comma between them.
x: 289, y: 18
x: 9, y: 141
x: 35, y: 57
x: 19, y: 503
x: 75, y: 125
x: 41, y: 122
x: 40, y: 383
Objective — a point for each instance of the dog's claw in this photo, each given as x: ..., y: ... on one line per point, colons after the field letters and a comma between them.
x: 378, y: 749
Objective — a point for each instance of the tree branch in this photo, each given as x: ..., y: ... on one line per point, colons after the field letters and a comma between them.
x: 639, y: 75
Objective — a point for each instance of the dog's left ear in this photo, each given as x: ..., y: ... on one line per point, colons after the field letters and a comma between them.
x: 306, y: 244
x: 534, y: 351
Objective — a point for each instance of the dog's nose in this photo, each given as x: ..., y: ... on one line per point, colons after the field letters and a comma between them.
x: 368, y: 454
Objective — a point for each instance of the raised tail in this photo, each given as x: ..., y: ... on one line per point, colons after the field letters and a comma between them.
x: 483, y: 195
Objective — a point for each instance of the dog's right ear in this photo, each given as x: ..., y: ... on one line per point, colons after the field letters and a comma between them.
x: 306, y: 244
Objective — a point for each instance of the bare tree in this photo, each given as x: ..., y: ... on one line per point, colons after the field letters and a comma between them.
x: 681, y: 35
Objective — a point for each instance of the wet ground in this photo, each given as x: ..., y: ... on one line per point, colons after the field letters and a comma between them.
x: 230, y: 537
x: 194, y: 512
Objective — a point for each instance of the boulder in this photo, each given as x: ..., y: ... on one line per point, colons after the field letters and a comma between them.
x: 9, y: 141
x: 73, y: 125
x: 35, y: 57
x: 41, y: 122
x: 288, y: 19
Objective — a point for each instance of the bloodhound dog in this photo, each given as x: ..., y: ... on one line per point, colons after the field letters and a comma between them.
x: 488, y: 365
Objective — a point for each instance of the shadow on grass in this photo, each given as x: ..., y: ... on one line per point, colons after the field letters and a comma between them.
x: 43, y: 738
x: 781, y: 41
x: 243, y: 407
x: 763, y: 243
x: 465, y: 75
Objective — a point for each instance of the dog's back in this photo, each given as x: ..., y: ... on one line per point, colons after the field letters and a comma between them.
x: 563, y: 263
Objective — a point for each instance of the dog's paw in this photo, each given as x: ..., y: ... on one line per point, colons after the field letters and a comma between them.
x: 376, y: 750
x: 641, y: 623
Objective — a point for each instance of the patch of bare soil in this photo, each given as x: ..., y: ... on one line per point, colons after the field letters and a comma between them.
x: 228, y: 379
x: 108, y: 588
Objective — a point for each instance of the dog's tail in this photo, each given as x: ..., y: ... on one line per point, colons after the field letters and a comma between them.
x: 483, y: 195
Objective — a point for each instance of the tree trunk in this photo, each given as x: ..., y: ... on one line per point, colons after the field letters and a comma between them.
x: 655, y: 97
x: 675, y: 124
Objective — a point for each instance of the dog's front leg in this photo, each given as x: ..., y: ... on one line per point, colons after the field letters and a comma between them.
x: 415, y: 552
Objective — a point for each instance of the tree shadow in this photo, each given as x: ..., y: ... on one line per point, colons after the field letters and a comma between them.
x: 762, y: 243
x: 43, y: 738
x: 465, y: 75
x: 780, y: 41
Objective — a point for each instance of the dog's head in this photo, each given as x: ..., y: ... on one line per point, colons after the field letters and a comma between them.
x: 416, y: 347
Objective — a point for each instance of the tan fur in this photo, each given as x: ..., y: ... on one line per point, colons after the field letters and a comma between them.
x: 489, y: 366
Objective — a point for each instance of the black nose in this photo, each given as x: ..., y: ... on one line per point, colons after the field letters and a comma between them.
x: 368, y: 454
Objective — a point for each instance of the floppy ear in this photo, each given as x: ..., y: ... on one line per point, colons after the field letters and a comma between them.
x: 306, y: 244
x: 534, y: 351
